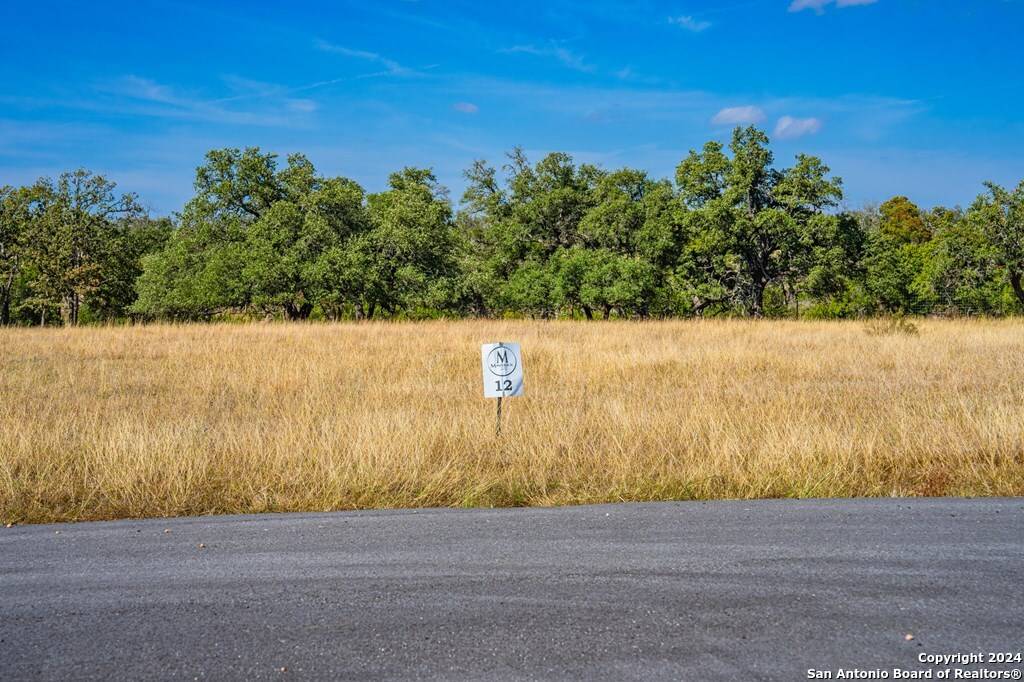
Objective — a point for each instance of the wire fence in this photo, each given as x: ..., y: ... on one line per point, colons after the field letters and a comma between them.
x: 948, y: 310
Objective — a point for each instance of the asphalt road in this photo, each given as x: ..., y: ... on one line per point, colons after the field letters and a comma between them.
x: 701, y: 591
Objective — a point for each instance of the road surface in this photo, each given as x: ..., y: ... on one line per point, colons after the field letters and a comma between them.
x: 701, y: 591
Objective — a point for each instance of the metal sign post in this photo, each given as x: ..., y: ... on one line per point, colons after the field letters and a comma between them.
x: 503, y: 373
x: 497, y: 423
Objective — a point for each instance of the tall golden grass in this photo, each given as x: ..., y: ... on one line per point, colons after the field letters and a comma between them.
x: 100, y: 423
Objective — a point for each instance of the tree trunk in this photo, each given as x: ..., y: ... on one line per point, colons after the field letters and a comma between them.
x: 792, y: 299
x: 1015, y: 282
x: 298, y: 312
x: 69, y: 311
x: 757, y: 300
x: 5, y: 306
x: 371, y: 310
x: 588, y: 312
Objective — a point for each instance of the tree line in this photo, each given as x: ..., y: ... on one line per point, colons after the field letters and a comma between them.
x: 732, y: 235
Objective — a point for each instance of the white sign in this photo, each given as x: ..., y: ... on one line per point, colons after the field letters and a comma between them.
x: 503, y: 370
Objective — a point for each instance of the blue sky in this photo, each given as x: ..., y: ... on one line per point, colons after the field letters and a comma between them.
x: 917, y: 97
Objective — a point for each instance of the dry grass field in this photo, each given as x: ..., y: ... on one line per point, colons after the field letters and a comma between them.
x: 99, y: 423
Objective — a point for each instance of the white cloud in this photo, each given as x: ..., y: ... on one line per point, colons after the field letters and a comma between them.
x: 819, y: 5
x: 466, y: 107
x: 564, y: 55
x: 789, y: 128
x: 248, y: 88
x: 738, y: 115
x: 391, y: 65
x: 690, y: 24
x: 145, y: 97
x: 145, y: 89
x: 302, y: 106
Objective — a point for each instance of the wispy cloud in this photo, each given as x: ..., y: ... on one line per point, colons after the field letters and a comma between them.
x: 564, y: 55
x: 593, y: 103
x: 628, y: 74
x: 738, y: 115
x: 466, y: 107
x: 137, y: 87
x: 140, y: 96
x: 819, y: 5
x: 789, y: 128
x: 248, y: 87
x: 302, y: 106
x: 690, y: 24
x: 390, y: 65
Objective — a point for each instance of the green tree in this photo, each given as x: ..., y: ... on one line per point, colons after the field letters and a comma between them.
x: 285, y: 244
x: 128, y: 242
x: 14, y: 228
x: 601, y: 280
x: 902, y: 221
x: 749, y: 225
x: 834, y: 272
x: 614, y: 282
x: 73, y: 223
x: 549, y: 223
x: 916, y: 261
x: 192, y: 277
x: 406, y: 261
x: 1000, y: 214
x: 963, y: 267
x: 253, y: 238
x: 617, y: 215
x: 897, y: 275
x: 530, y: 289
x: 522, y: 223
x: 570, y: 271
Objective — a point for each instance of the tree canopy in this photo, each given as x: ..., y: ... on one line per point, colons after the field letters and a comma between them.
x: 735, y: 234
